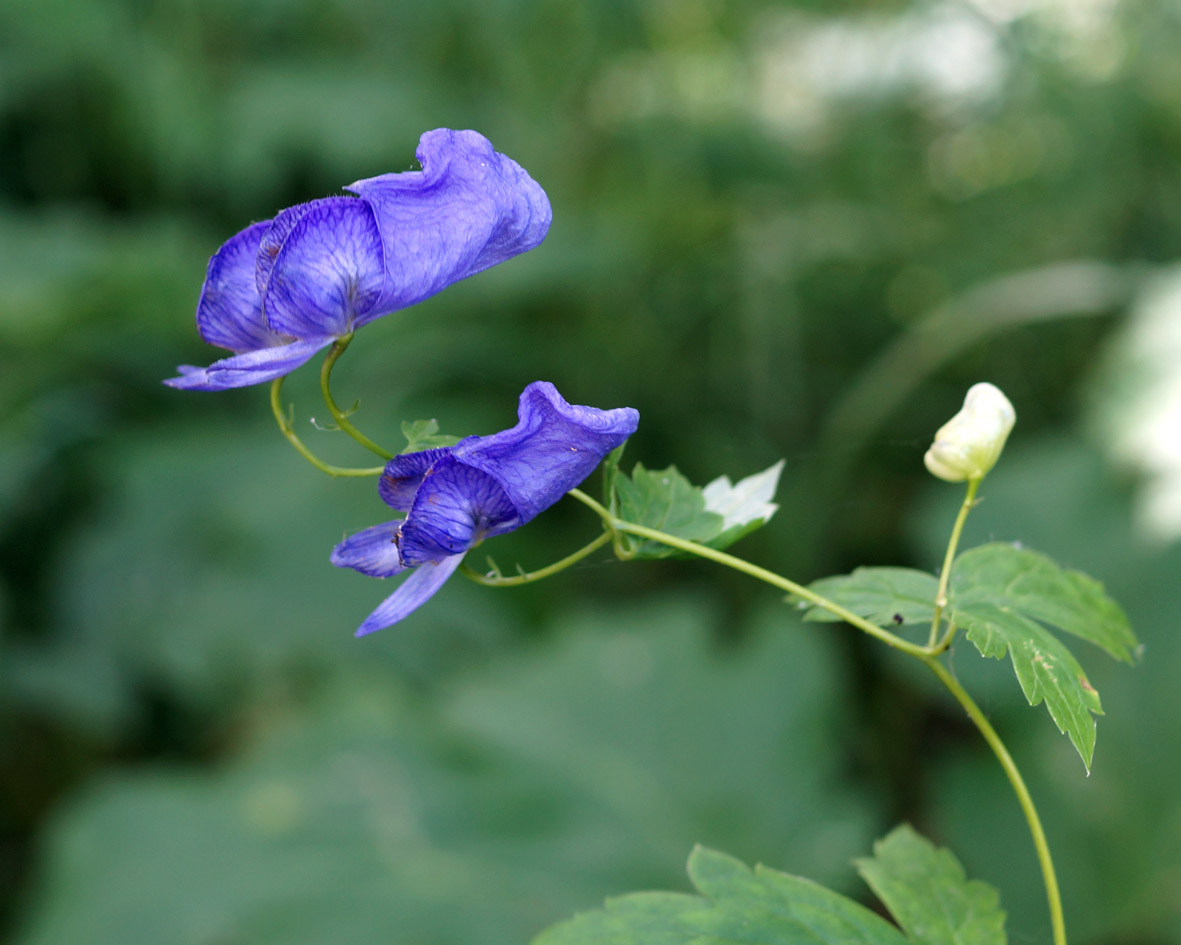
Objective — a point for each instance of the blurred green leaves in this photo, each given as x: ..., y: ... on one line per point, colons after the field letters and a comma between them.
x: 521, y: 791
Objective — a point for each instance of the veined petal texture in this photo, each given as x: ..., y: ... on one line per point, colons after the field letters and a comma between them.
x: 229, y: 312
x: 455, y: 507
x: 404, y: 474
x: 553, y: 447
x: 469, y: 208
x: 327, y: 272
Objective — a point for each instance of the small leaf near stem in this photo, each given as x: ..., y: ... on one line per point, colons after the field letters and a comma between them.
x: 945, y: 573
x: 495, y: 579
x: 341, y: 416
x: 286, y: 429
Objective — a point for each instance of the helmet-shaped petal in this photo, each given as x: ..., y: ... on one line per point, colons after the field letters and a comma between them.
x: 469, y: 208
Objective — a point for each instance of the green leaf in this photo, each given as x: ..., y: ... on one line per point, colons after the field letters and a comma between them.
x: 1000, y: 592
x: 928, y: 894
x: 880, y: 595
x: 610, y: 467
x: 737, y: 904
x: 1040, y: 589
x: 767, y: 907
x: 1002, y: 596
x: 665, y: 500
x: 1045, y: 669
x: 649, y: 918
x: 425, y: 435
x: 743, y: 507
x: 716, y: 515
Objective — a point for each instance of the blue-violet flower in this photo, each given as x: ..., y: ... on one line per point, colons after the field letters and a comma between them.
x: 283, y: 289
x: 455, y: 496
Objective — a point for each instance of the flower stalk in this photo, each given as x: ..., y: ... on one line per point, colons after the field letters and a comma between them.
x: 341, y: 417
x: 285, y: 427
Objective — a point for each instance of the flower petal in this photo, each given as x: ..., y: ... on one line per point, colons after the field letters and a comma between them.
x: 553, y: 447
x: 272, y: 241
x: 415, y: 591
x: 328, y: 272
x: 455, y: 507
x: 229, y: 312
x: 403, y: 475
x: 252, y: 367
x: 467, y: 209
x: 373, y: 551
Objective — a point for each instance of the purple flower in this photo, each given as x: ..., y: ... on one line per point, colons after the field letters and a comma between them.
x: 456, y: 496
x: 283, y: 289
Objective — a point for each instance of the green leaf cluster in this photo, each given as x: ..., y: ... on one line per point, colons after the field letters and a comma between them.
x: 924, y: 888
x: 1005, y: 598
x: 425, y: 435
x: 715, y: 515
x: 478, y: 809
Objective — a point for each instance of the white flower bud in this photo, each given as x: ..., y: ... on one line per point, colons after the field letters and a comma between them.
x: 969, y: 444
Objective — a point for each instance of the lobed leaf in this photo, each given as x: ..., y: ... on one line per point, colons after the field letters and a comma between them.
x: 736, y: 904
x: 1002, y: 595
x: 1040, y: 589
x: 880, y: 595
x: 1045, y: 668
x: 665, y: 500
x: 926, y: 891
x: 717, y: 515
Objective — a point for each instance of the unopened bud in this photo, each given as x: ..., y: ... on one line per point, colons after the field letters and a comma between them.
x: 969, y: 444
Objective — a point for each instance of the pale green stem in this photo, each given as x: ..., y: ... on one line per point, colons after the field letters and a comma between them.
x: 985, y: 728
x: 341, y: 418
x: 762, y: 574
x: 497, y: 580
x: 948, y: 559
x: 286, y: 429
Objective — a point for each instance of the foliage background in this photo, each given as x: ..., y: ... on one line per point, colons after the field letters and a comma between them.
x: 781, y: 229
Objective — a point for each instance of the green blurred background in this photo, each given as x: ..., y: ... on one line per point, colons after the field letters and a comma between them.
x: 793, y: 230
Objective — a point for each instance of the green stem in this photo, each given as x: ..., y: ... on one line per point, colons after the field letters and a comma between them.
x: 948, y: 559
x: 286, y: 429
x: 616, y: 526
x: 341, y: 418
x: 498, y: 580
x: 928, y: 655
x: 1057, y: 921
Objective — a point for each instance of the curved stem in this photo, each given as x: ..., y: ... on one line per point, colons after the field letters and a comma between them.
x: 949, y: 558
x: 341, y: 418
x: 616, y: 526
x: 928, y: 655
x: 985, y: 728
x: 286, y: 429
x: 498, y: 580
